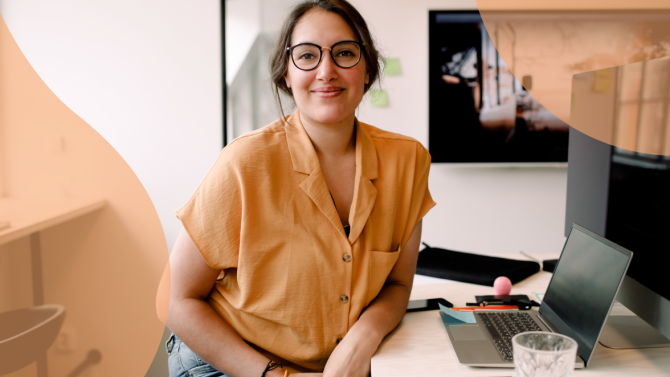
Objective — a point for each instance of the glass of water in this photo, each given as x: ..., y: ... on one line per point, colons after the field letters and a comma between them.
x: 543, y: 354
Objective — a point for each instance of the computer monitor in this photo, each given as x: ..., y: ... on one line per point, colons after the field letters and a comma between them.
x: 624, y: 196
x: 478, y: 112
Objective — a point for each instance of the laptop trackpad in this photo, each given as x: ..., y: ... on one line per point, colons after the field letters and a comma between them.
x: 467, y: 332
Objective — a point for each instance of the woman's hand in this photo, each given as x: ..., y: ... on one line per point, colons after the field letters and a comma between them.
x: 351, y: 357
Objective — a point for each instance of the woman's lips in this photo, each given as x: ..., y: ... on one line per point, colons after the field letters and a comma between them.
x: 329, y: 92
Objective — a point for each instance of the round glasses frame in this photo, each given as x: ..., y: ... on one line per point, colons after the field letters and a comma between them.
x: 289, y: 50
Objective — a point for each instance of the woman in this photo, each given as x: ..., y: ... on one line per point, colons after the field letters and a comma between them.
x: 301, y: 242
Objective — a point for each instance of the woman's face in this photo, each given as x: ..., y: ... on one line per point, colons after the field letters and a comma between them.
x: 328, y: 94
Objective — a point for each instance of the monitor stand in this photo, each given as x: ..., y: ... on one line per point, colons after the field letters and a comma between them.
x: 630, y: 331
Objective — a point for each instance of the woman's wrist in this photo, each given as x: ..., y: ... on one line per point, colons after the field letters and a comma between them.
x: 364, y: 338
x: 272, y: 369
x: 279, y: 372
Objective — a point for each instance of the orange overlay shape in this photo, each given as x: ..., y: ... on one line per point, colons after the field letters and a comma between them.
x: 546, y: 43
x: 627, y: 106
x: 70, y: 201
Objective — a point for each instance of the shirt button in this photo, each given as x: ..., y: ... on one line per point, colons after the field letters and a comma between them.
x: 344, y: 299
x: 338, y: 340
x: 346, y: 257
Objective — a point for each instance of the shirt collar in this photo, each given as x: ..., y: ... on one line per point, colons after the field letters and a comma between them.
x: 305, y: 160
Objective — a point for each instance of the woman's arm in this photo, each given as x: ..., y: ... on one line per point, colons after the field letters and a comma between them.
x: 195, y: 322
x: 352, y: 356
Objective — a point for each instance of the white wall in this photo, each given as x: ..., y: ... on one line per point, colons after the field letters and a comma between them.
x: 245, y: 19
x: 243, y: 23
x: 146, y: 74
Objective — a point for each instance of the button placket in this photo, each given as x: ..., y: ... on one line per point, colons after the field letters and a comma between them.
x: 346, y: 252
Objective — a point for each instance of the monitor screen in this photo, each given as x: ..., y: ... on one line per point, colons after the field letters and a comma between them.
x: 619, y: 184
x: 638, y: 214
x: 478, y: 111
x: 584, y: 286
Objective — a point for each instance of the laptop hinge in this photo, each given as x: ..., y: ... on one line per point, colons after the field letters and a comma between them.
x: 546, y: 322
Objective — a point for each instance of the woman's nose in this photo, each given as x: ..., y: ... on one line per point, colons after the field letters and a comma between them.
x: 327, y: 70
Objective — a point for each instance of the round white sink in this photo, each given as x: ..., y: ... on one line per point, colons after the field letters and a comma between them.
x: 26, y: 334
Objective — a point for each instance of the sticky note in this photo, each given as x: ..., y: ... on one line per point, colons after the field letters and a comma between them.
x: 379, y: 98
x: 392, y: 67
x: 455, y: 317
x: 603, y: 80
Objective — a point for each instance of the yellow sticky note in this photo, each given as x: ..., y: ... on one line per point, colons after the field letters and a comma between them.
x: 379, y: 98
x: 392, y: 67
x: 603, y: 80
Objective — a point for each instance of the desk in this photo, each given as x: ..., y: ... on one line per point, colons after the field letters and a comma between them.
x: 26, y: 219
x: 27, y: 216
x: 420, y: 346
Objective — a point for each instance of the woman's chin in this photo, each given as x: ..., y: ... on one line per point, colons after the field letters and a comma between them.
x: 331, y: 115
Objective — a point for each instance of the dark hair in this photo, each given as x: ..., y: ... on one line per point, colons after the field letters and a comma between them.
x: 279, y: 59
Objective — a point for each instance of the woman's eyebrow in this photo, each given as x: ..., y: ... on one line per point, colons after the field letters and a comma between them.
x: 314, y: 43
x: 304, y: 42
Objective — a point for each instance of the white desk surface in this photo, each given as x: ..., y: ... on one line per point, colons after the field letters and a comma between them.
x: 420, y: 346
x: 29, y: 216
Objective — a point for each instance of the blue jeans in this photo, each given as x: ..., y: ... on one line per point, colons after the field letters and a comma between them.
x: 182, y: 362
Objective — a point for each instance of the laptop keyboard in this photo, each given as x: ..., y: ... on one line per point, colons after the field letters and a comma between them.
x: 502, y: 326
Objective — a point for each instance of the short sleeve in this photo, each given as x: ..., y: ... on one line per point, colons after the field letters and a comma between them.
x: 421, y: 195
x: 418, y: 200
x: 213, y: 215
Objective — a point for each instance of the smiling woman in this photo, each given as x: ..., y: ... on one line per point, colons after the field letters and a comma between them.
x: 342, y: 17
x: 323, y: 90
x: 299, y: 246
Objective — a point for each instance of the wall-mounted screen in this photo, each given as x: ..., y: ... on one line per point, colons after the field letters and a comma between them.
x: 478, y: 111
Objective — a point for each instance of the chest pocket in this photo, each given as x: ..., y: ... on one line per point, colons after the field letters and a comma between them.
x: 381, y: 264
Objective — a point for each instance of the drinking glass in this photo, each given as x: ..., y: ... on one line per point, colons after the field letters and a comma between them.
x: 543, y: 354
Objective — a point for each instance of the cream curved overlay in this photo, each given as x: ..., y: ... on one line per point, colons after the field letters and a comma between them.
x: 103, y: 263
x: 551, y: 41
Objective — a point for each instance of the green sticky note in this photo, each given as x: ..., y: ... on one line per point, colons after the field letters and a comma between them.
x: 392, y: 67
x: 379, y: 98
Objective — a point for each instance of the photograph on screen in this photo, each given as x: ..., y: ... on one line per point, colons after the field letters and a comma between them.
x: 478, y: 111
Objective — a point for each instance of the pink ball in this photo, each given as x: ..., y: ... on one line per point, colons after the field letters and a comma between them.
x: 502, y: 286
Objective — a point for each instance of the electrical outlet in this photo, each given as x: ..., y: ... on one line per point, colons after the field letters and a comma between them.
x: 65, y: 341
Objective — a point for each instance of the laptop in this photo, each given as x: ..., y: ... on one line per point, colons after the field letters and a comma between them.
x: 577, y: 302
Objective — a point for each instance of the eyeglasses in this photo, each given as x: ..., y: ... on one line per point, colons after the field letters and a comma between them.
x: 307, y: 56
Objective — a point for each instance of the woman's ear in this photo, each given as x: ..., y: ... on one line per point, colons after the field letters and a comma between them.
x: 287, y: 81
x: 367, y: 77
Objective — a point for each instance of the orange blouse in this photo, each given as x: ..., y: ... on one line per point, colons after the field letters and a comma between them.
x: 292, y: 283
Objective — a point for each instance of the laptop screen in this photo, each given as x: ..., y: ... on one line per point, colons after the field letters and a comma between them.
x: 583, y: 288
